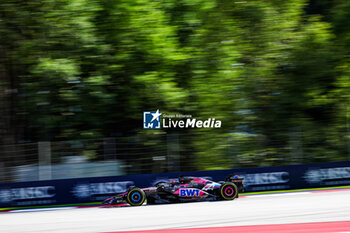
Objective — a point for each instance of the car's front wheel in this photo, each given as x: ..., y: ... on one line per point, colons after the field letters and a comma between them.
x: 136, y: 197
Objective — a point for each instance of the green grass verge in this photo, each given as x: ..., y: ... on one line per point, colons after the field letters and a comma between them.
x: 49, y: 206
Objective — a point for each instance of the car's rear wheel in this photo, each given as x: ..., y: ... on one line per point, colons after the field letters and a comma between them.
x: 228, y: 191
x: 135, y: 197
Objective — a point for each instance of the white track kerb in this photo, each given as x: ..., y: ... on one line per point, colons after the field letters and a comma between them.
x: 300, y: 207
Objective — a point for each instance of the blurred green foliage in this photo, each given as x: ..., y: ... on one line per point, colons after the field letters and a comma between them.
x: 276, y: 73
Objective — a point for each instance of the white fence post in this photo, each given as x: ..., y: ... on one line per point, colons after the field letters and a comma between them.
x: 44, y: 149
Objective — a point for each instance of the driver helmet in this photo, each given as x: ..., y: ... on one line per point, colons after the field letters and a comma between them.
x: 182, y: 179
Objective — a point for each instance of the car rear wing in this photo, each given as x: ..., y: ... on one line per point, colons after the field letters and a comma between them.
x: 238, y: 181
x: 234, y: 178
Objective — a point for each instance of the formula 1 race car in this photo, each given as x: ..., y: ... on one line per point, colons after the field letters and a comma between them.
x: 186, y: 189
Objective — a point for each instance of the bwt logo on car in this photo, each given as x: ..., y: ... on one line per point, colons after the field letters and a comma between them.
x: 189, y: 192
x: 16, y: 194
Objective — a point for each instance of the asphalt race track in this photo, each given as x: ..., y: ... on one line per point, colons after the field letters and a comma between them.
x: 324, y: 211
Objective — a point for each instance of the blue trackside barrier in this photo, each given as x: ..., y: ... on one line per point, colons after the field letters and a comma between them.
x: 71, y: 191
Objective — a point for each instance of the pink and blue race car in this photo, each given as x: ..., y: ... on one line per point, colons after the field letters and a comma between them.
x: 186, y: 189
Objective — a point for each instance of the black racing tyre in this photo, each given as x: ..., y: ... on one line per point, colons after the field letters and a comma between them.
x: 228, y: 191
x: 135, y: 197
